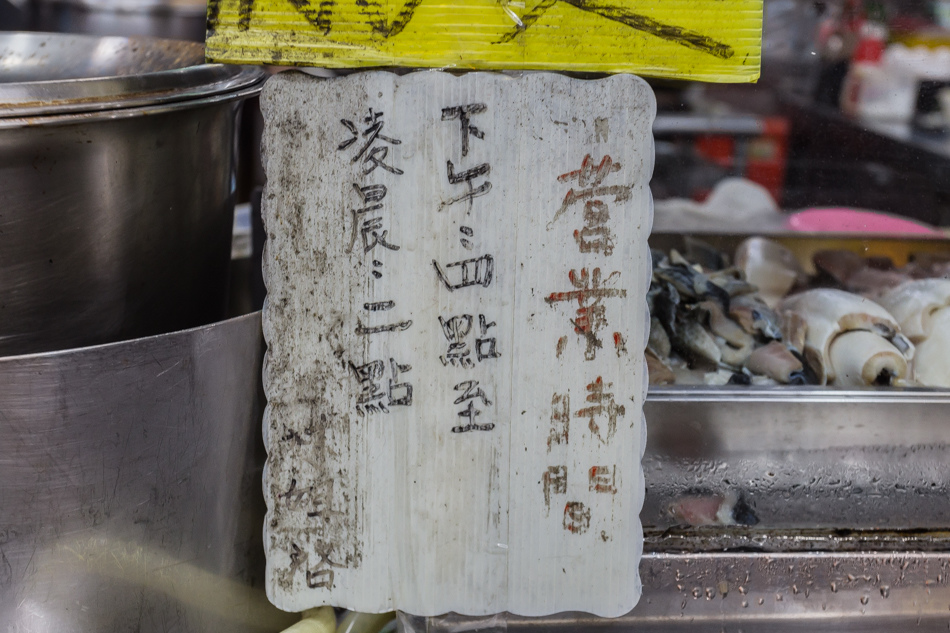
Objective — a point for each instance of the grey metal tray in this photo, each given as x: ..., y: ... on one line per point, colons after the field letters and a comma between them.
x: 802, y: 458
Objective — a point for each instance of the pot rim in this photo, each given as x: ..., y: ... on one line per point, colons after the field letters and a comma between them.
x: 76, y: 118
x: 85, y: 74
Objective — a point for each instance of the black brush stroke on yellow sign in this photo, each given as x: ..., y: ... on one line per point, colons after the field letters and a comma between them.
x: 711, y: 40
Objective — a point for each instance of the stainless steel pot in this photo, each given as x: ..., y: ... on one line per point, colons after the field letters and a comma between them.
x: 130, y: 486
x: 116, y: 187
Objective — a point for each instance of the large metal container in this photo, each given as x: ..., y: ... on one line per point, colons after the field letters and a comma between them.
x: 116, y: 188
x: 130, y: 486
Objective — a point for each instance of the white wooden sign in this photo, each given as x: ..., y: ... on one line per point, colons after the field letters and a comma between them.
x: 456, y: 270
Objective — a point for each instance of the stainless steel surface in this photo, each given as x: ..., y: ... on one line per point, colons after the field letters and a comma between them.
x: 40, y: 74
x: 130, y: 495
x: 117, y: 223
x: 873, y: 592
x: 802, y: 458
x: 174, y: 19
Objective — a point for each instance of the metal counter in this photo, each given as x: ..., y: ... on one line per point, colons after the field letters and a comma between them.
x: 130, y: 500
x: 781, y: 593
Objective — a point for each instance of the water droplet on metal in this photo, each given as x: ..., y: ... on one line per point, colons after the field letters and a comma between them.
x: 710, y: 593
x: 742, y: 590
x: 864, y: 599
x: 779, y: 597
x: 795, y: 589
x: 745, y: 603
x: 834, y: 587
x: 885, y: 591
x: 683, y: 606
x: 761, y: 600
x: 697, y: 592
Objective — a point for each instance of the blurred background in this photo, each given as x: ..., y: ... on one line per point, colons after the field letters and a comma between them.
x: 851, y: 110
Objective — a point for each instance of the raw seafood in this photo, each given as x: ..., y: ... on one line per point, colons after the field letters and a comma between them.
x: 769, y: 266
x: 713, y: 509
x: 711, y: 321
x: 863, y: 358
x: 922, y: 307
x: 932, y: 361
x: 777, y: 362
x: 828, y: 313
x: 914, y: 303
x: 756, y: 317
x: 660, y: 372
x: 849, y: 271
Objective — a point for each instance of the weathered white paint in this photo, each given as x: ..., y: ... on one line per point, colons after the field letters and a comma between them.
x: 375, y: 510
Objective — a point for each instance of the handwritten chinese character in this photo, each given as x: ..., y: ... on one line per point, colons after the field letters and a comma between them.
x: 455, y: 331
x: 380, y: 306
x: 560, y: 419
x: 369, y: 376
x: 554, y: 482
x: 294, y: 496
x: 371, y: 396
x: 576, y: 517
x: 591, y: 313
x: 485, y: 347
x: 477, y: 271
x: 372, y: 156
x: 371, y: 196
x: 590, y: 178
x: 321, y: 575
x: 466, y: 176
x: 468, y: 232
x: 595, y: 237
x: 470, y: 392
x: 371, y: 230
x: 603, y: 479
x: 463, y: 115
x: 602, y: 405
x: 400, y: 393
x: 373, y: 235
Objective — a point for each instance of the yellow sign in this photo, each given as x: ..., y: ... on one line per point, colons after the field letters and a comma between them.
x: 709, y: 40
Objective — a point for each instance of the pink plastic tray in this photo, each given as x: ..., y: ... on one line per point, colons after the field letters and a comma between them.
x: 842, y: 220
